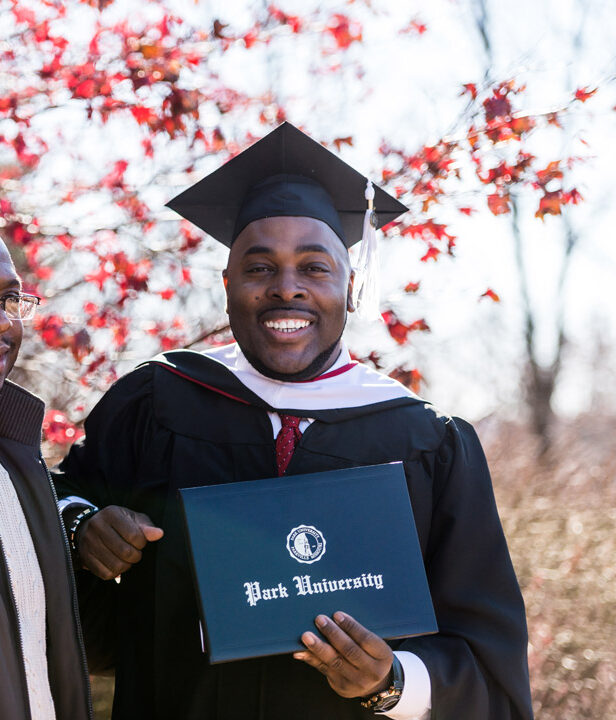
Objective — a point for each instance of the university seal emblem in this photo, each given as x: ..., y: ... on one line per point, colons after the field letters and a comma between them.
x: 306, y: 544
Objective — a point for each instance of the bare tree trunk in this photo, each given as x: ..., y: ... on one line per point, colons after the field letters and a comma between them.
x: 539, y: 381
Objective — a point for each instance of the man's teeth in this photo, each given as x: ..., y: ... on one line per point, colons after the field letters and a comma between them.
x: 286, y: 325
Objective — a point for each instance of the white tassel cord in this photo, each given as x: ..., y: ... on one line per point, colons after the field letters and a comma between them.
x: 366, y: 290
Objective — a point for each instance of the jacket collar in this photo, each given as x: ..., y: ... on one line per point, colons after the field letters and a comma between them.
x: 21, y: 414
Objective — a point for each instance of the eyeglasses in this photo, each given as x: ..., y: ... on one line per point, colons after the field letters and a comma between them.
x: 18, y: 306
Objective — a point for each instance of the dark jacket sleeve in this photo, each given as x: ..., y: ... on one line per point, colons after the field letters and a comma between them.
x: 99, y: 468
x: 478, y: 661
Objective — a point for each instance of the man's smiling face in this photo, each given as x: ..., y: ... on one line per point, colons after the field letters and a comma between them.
x: 288, y: 283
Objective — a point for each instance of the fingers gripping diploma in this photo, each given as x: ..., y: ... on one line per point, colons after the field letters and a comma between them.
x: 111, y: 542
x: 355, y: 661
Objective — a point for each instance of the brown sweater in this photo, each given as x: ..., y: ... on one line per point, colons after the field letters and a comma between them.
x: 21, y: 416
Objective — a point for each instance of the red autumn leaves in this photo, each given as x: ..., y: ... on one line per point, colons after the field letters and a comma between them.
x: 553, y: 200
x: 399, y: 330
x: 489, y: 293
x: 160, y: 77
x: 56, y: 334
x: 428, y: 179
x: 490, y: 141
x: 344, y: 30
x: 59, y: 430
x: 502, y: 125
x: 504, y: 177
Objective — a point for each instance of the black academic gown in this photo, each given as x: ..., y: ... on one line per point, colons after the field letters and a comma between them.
x: 184, y: 421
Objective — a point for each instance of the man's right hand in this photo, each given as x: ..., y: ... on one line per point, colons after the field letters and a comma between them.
x: 111, y: 542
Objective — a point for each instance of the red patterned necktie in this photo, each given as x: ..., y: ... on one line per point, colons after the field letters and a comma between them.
x: 286, y: 441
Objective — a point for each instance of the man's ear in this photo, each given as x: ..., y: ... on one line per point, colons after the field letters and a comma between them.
x: 350, y: 304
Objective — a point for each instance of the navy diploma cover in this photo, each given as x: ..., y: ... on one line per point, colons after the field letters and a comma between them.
x: 270, y: 555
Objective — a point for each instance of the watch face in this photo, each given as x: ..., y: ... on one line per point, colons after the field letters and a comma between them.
x: 386, y: 703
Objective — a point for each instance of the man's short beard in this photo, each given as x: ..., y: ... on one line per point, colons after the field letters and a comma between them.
x: 313, y: 369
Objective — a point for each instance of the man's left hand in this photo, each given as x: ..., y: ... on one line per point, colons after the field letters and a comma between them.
x: 355, y: 661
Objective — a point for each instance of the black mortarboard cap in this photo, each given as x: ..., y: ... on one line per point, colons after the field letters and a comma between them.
x: 286, y: 173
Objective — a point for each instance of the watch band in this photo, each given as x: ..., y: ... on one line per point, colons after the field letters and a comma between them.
x: 386, y: 699
x: 73, y: 531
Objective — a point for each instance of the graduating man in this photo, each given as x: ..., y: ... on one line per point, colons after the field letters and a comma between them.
x: 286, y: 399
x: 43, y: 673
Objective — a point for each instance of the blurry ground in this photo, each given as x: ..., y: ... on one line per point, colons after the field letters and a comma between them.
x: 560, y: 520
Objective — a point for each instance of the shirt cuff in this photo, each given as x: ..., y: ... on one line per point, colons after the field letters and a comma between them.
x: 73, y: 501
x: 415, y: 701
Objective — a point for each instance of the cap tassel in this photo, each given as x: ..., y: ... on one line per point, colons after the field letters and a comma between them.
x: 366, y: 290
